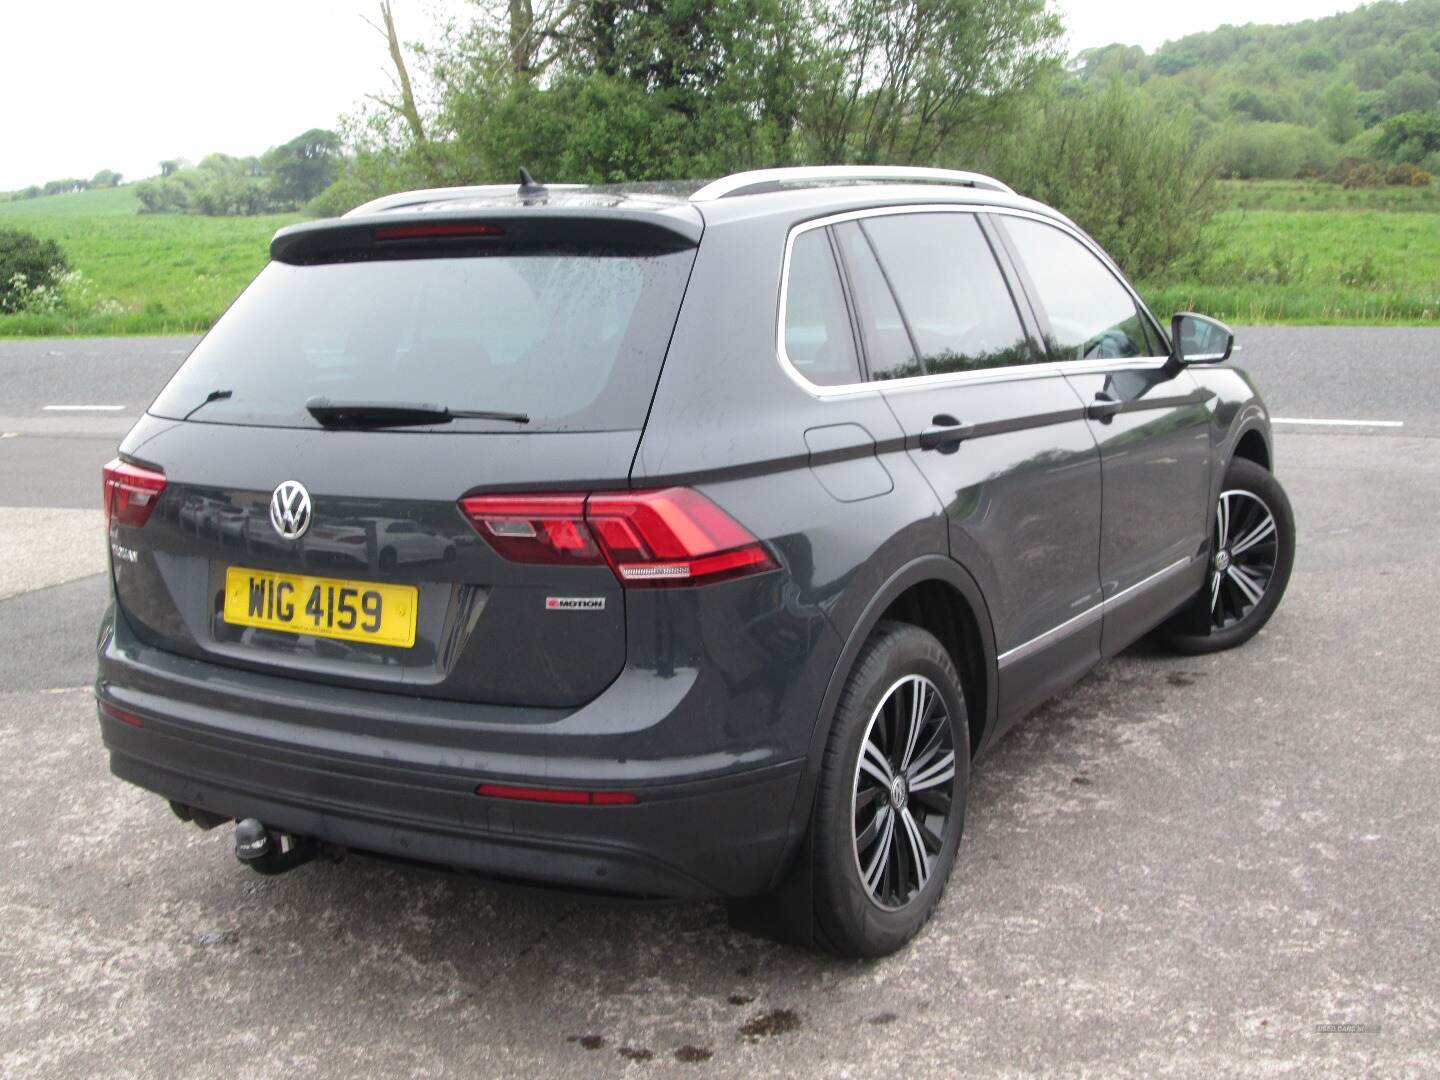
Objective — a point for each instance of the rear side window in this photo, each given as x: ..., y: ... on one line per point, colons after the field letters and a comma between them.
x: 1092, y: 316
x: 819, y: 340
x: 953, y: 297
x: 889, y: 350
x: 573, y: 339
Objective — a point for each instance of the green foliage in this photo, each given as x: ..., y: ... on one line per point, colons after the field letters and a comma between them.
x: 1411, y: 137
x: 303, y: 167
x: 638, y: 90
x: 1124, y: 170
x: 1335, y: 76
x: 1248, y: 151
x: 27, y: 263
x: 284, y: 178
x: 105, y: 178
x: 1340, y: 112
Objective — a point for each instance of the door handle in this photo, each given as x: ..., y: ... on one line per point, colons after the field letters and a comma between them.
x: 1103, y: 408
x: 945, y: 434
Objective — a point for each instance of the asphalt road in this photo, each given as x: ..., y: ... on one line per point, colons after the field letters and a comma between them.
x: 1182, y: 867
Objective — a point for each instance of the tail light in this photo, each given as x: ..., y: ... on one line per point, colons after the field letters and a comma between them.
x: 673, y: 536
x: 131, y: 493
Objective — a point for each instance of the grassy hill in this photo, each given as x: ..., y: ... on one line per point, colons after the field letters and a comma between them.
x: 167, y: 273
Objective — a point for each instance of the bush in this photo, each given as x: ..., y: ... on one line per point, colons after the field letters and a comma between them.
x: 1407, y: 175
x: 27, y: 263
x: 1261, y: 151
x: 1124, y: 170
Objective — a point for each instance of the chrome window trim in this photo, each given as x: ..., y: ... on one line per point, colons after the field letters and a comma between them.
x: 944, y: 380
x: 1090, y: 614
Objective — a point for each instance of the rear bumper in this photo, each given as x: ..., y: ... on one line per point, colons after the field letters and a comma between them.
x: 399, y: 786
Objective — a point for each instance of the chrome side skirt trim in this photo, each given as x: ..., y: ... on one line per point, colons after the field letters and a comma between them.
x: 1092, y: 614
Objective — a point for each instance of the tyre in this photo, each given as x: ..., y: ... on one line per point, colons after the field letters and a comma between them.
x: 1253, y: 550
x: 890, y: 805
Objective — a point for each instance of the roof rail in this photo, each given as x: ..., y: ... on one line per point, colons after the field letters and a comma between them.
x: 424, y: 196
x: 763, y: 180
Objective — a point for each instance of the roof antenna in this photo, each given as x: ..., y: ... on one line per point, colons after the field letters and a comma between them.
x: 529, y: 189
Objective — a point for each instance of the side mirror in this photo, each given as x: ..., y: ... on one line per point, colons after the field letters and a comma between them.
x: 1199, y: 339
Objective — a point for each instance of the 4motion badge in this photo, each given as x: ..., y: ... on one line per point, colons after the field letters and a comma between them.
x: 575, y: 603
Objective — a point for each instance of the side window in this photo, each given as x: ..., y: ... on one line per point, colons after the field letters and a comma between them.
x: 1092, y: 316
x: 956, y: 304
x: 819, y: 339
x: 888, y: 348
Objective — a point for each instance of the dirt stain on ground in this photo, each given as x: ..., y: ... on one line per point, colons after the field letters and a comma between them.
x: 636, y: 1053
x: 693, y: 1055
x: 589, y: 1042
x: 740, y: 999
x: 774, y: 1022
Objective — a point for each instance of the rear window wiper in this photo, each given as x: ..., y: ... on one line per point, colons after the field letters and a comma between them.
x: 396, y: 413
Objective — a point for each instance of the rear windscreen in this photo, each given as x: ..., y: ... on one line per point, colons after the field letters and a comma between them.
x: 572, y: 339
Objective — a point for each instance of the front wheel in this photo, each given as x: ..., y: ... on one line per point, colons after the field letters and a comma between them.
x: 1251, y: 556
x: 891, y: 802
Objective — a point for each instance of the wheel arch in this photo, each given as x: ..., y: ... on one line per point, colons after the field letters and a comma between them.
x: 1253, y: 445
x: 937, y: 589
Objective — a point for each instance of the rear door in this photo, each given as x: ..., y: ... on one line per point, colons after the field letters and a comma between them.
x: 1152, y: 425
x: 377, y: 578
x: 1003, y: 442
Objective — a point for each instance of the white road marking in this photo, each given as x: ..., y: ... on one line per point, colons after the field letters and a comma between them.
x: 1338, y: 423
x: 82, y: 408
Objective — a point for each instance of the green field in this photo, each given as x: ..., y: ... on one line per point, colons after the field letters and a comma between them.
x: 1280, y: 252
x: 169, y: 273
x: 1308, y: 252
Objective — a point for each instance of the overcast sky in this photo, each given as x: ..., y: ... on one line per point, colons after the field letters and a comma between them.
x: 96, y: 84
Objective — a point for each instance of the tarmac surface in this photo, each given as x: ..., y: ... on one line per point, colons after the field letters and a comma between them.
x: 1213, y: 866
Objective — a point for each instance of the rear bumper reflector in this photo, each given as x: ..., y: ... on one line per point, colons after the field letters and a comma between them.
x: 558, y: 795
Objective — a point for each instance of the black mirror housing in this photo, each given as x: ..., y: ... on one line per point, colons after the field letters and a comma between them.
x: 1199, y: 339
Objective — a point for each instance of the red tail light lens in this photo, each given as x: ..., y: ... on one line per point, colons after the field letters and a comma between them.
x: 131, y: 493
x: 673, y: 536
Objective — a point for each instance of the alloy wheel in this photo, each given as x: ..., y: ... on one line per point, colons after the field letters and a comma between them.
x: 903, y: 789
x: 1247, y: 546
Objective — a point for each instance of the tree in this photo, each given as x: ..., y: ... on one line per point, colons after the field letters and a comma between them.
x: 1411, y: 137
x: 1339, y: 110
x: 105, y: 178
x: 901, y: 79
x: 1411, y: 91
x: 303, y: 167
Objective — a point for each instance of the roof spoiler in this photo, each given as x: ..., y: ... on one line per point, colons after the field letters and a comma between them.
x: 418, y: 233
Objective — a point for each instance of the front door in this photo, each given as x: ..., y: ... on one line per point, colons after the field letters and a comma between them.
x: 1151, y: 422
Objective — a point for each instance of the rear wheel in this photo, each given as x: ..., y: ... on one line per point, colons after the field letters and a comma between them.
x: 891, y: 801
x: 1252, y: 552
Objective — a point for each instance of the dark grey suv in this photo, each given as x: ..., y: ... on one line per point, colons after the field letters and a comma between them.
x: 667, y: 546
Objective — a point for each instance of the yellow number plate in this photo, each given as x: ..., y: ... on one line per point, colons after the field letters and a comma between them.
x: 322, y: 607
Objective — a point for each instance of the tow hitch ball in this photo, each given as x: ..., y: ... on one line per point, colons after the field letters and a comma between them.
x: 269, y: 851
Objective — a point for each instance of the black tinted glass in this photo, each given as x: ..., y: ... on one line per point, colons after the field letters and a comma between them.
x: 574, y: 340
x: 1092, y: 316
x: 818, y: 337
x: 887, y: 343
x: 954, y: 298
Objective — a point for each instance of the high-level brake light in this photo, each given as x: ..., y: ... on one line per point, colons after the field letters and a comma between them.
x: 439, y: 231
x: 131, y: 493
x: 672, y: 536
